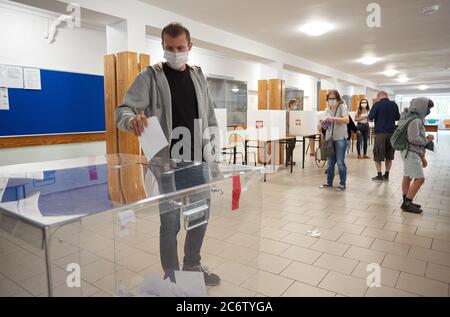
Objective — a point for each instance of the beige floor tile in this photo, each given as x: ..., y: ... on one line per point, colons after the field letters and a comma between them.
x: 390, y: 247
x: 225, y: 289
x: 344, y: 284
x: 349, y: 228
x: 25, y: 271
x: 304, y: 290
x: 234, y: 272
x: 8, y: 287
x: 422, y: 286
x: 273, y: 223
x: 365, y: 255
x: 387, y: 292
x: 138, y: 261
x: 389, y: 277
x: 243, y: 239
x: 297, y: 218
x: 354, y: 239
x: 271, y: 246
x: 415, y: 240
x: 336, y: 263
x: 97, y: 270
x: 435, y: 234
x: 343, y: 218
x: 330, y: 247
x: 405, y: 264
x: 398, y: 227
x: 370, y: 223
x: 304, y: 273
x: 324, y: 223
x: 441, y: 245
x: 270, y: 263
x: 297, y: 227
x: 329, y: 234
x: 219, y: 233
x: 268, y: 284
x: 239, y: 254
x: 430, y: 224
x: 215, y: 246
x: 274, y: 234
x: 379, y: 234
x: 299, y: 240
x: 301, y: 254
x: 430, y: 255
x: 438, y: 272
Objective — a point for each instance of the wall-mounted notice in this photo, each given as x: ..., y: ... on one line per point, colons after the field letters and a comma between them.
x: 32, y: 78
x: 4, y: 99
x: 14, y: 77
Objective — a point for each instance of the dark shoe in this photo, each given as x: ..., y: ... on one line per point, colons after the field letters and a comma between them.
x: 378, y: 179
x: 409, y: 207
x: 386, y: 178
x: 366, y: 157
x: 340, y: 188
x: 325, y: 186
x: 211, y: 279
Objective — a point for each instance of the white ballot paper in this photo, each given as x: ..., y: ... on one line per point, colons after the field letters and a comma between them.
x: 153, y: 139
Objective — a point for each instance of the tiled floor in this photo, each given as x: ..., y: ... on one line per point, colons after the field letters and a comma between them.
x: 270, y: 253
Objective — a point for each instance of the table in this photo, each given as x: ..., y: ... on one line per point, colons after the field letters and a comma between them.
x: 282, y: 140
x: 303, y: 141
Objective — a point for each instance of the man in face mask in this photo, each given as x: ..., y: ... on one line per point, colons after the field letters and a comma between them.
x: 177, y: 95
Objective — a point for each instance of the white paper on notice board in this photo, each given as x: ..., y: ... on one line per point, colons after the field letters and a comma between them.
x: 4, y: 99
x: 32, y: 78
x: 14, y: 77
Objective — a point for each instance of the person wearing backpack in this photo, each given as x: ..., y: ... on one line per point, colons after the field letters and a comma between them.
x: 411, y: 137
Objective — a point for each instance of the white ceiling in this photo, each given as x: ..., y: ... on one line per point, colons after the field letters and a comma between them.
x: 409, y: 41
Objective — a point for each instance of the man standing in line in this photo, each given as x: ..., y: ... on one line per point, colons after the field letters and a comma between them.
x: 385, y: 113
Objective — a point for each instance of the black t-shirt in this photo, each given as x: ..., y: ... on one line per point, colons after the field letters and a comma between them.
x: 184, y: 103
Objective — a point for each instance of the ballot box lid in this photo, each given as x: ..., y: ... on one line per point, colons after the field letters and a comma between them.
x: 54, y: 193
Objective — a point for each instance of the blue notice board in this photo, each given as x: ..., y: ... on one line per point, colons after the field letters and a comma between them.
x: 68, y: 103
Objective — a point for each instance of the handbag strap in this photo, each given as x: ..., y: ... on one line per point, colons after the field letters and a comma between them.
x: 335, y: 113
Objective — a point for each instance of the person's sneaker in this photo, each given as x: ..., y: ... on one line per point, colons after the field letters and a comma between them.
x: 386, y: 178
x: 412, y: 208
x: 378, y: 179
x: 360, y: 157
x: 211, y: 279
x: 340, y: 188
x: 366, y: 157
x: 325, y: 186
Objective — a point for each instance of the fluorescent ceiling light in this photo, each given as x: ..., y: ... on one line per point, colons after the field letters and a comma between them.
x: 369, y: 60
x: 402, y: 79
x: 423, y: 87
x: 317, y: 28
x: 390, y: 72
x: 235, y: 90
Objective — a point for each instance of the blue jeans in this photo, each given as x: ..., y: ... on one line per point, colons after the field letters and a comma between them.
x: 340, y: 149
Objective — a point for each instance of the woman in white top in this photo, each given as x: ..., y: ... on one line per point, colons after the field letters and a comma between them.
x: 363, y: 127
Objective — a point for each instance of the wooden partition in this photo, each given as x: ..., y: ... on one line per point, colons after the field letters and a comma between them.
x: 120, y: 71
x: 323, y: 100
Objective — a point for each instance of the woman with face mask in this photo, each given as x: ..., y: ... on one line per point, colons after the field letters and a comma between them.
x: 363, y: 127
x: 337, y: 118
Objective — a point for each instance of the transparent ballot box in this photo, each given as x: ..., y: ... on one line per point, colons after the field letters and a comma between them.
x: 116, y: 225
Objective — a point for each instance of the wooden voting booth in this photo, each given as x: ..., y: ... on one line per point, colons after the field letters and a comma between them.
x: 271, y: 96
x: 121, y: 69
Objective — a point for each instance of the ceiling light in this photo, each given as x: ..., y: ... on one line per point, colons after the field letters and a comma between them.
x: 402, y: 79
x: 423, y: 87
x: 235, y: 90
x: 316, y: 28
x: 369, y: 60
x: 431, y: 10
x: 390, y: 72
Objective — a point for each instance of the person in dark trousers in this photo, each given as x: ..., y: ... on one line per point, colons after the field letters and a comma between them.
x: 362, y: 119
x: 385, y: 113
x: 177, y: 95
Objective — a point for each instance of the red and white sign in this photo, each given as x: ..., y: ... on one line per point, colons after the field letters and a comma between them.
x: 298, y: 122
x: 259, y: 124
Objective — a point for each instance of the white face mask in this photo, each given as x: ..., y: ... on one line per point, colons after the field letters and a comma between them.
x: 176, y: 60
x: 332, y: 103
x: 363, y: 105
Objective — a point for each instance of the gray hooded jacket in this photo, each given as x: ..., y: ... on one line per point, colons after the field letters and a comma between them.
x: 150, y: 93
x: 416, y: 129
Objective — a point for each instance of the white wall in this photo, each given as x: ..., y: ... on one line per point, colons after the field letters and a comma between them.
x: 22, y: 43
